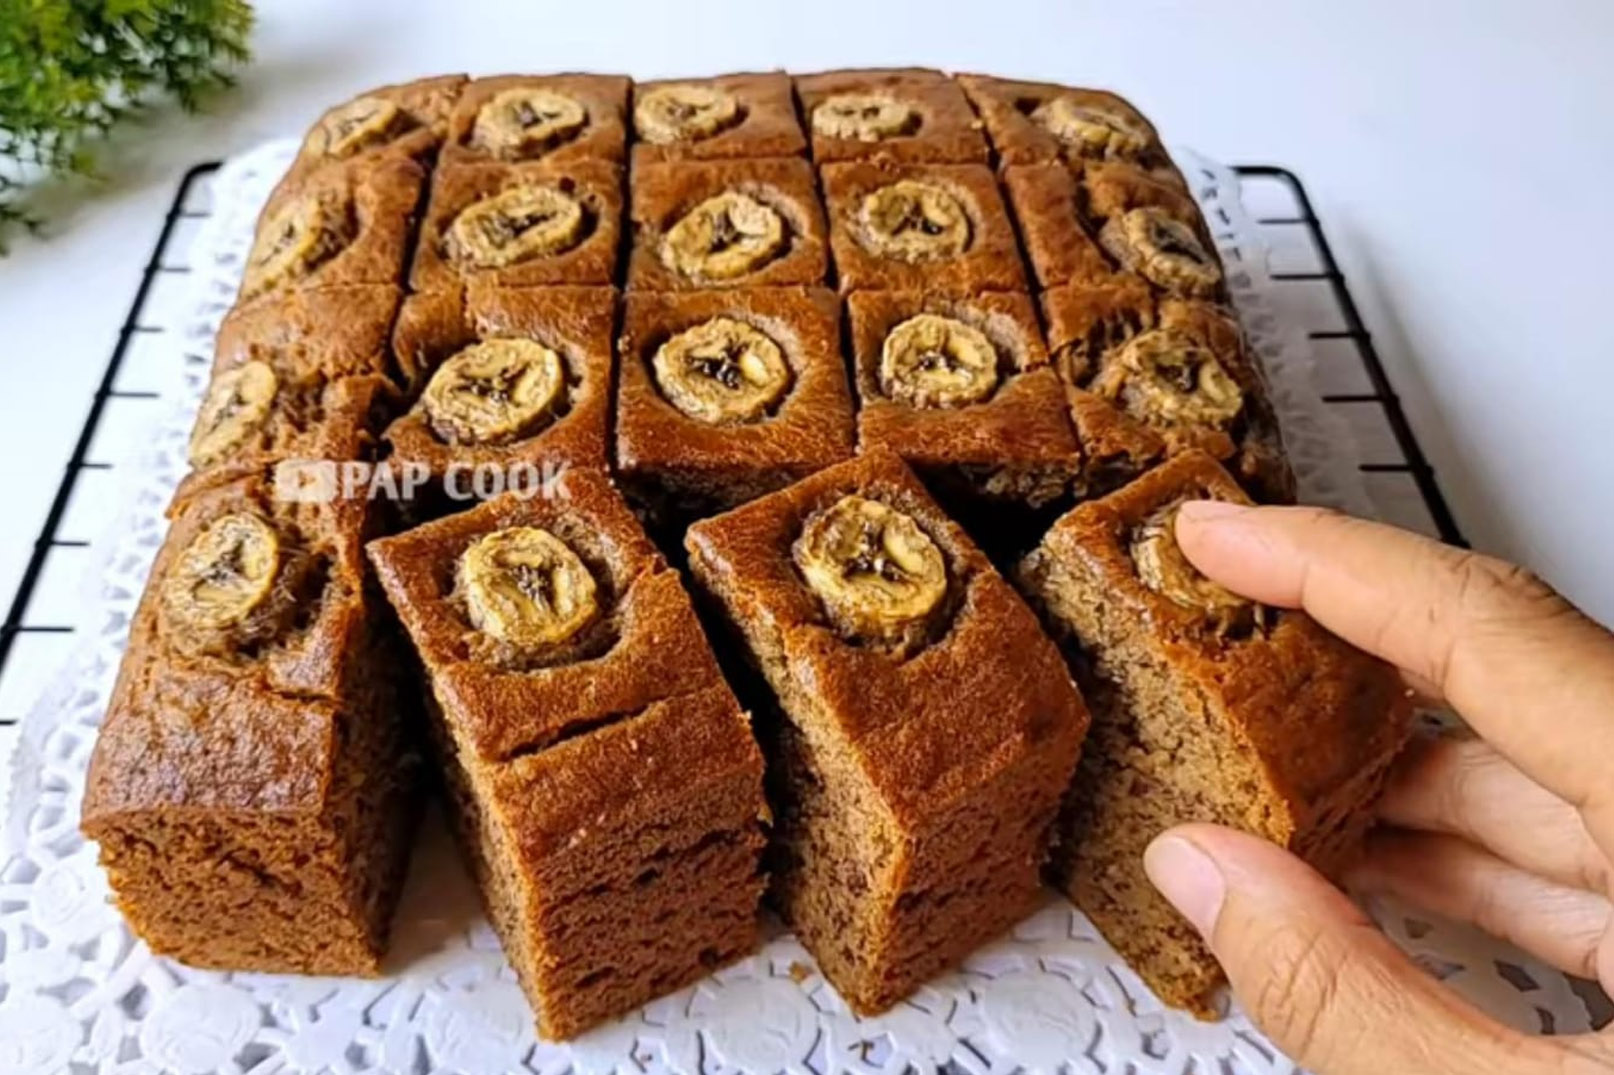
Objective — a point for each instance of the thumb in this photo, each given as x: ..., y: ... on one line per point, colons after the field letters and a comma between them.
x: 1314, y: 973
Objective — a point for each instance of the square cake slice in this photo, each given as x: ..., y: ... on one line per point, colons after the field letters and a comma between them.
x: 298, y: 375
x: 925, y: 729
x: 407, y: 120
x: 606, y: 785
x: 727, y: 394
x: 1149, y: 378
x: 554, y: 118
x: 905, y: 115
x: 728, y: 223
x: 514, y: 385
x: 920, y: 227
x: 540, y: 222
x: 722, y: 118
x: 347, y: 224
x: 1083, y: 223
x: 961, y: 388
x: 254, y: 785
x: 1031, y: 122
x: 1206, y: 707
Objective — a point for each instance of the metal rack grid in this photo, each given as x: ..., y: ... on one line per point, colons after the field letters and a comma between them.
x: 1308, y: 286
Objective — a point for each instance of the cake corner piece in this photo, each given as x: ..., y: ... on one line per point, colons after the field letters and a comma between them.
x: 1198, y: 698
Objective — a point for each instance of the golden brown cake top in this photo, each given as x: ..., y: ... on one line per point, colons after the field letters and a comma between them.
x: 728, y: 116
x: 406, y: 120
x: 957, y: 380
x: 505, y: 375
x: 931, y: 716
x: 542, y: 616
x: 732, y: 378
x: 1317, y: 712
x: 252, y: 632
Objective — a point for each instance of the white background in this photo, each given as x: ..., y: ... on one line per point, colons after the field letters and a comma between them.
x: 1460, y: 155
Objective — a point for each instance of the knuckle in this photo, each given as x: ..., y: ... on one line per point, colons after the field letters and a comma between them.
x: 1487, y: 587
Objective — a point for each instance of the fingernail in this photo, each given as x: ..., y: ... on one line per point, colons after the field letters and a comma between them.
x: 1211, y: 511
x: 1187, y: 877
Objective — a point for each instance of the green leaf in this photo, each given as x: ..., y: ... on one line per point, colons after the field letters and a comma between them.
x: 70, y: 70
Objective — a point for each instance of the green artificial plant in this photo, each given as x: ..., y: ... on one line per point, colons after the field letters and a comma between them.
x: 70, y: 70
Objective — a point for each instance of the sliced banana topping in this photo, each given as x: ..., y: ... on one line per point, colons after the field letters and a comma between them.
x: 526, y: 122
x: 296, y: 239
x: 494, y: 392
x: 1169, y: 379
x: 515, y: 225
x: 722, y: 371
x: 233, y: 410
x: 224, y: 586
x: 1091, y: 131
x: 524, y: 586
x: 913, y: 221
x: 934, y: 361
x: 867, y: 117
x: 358, y: 125
x: 879, y: 575
x: 1166, y: 570
x: 685, y: 113
x: 723, y: 237
x: 1161, y: 249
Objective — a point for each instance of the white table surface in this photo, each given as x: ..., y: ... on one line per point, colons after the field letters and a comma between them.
x: 1459, y: 154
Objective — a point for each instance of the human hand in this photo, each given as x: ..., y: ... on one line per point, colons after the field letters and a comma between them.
x: 1512, y: 831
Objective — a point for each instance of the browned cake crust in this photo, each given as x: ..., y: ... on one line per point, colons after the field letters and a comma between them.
x: 990, y: 261
x: 337, y: 331
x: 944, y: 126
x: 912, y: 796
x: 1062, y: 209
x: 314, y: 419
x: 380, y: 197
x: 608, y: 793
x: 596, y: 185
x: 1006, y: 107
x: 253, y: 803
x: 416, y: 132
x: 670, y: 458
x: 1262, y: 720
x: 663, y: 193
x: 765, y: 127
x: 1088, y: 328
x: 1016, y: 444
x: 603, y: 135
x: 324, y: 356
x: 575, y: 322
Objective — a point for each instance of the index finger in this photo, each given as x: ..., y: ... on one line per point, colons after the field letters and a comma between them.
x: 1527, y: 670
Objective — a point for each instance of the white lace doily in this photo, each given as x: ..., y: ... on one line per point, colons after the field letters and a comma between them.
x: 79, y: 994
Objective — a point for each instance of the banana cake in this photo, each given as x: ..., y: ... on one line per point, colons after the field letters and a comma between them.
x: 727, y: 394
x: 605, y: 784
x: 920, y: 227
x: 760, y: 294
x: 727, y: 223
x: 535, y: 222
x: 407, y: 120
x: 507, y: 377
x: 343, y: 224
x: 1206, y: 707
x: 961, y: 388
x: 1147, y: 378
x: 903, y: 114
x: 553, y: 118
x: 1083, y: 223
x: 723, y: 118
x: 301, y: 375
x: 925, y: 727
x: 253, y: 788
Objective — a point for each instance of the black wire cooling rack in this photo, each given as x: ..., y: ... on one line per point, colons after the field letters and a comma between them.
x: 1308, y: 286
